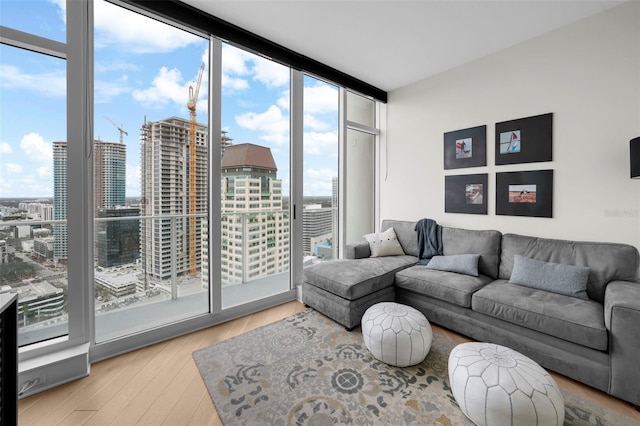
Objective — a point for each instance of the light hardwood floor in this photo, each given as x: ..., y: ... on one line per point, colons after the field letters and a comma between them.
x: 160, y: 384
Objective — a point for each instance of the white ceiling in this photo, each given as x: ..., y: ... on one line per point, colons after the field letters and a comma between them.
x: 392, y: 43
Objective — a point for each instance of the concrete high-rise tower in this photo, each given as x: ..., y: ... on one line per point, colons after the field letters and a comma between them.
x: 60, y: 248
x: 109, y: 174
x: 255, y: 226
x: 109, y: 178
x: 165, y: 174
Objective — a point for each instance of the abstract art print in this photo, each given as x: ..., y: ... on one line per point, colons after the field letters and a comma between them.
x: 466, y: 193
x: 527, y: 193
x: 465, y: 148
x: 525, y: 140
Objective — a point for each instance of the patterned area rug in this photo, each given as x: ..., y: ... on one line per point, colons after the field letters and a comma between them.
x: 308, y: 370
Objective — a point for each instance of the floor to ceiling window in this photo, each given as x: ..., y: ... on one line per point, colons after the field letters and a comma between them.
x: 255, y: 177
x: 33, y: 168
x: 359, y: 167
x: 320, y: 171
x: 114, y: 231
x: 150, y: 172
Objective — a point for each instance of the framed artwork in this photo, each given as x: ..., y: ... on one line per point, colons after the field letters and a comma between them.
x: 465, y: 148
x: 466, y: 193
x: 525, y: 193
x: 525, y: 140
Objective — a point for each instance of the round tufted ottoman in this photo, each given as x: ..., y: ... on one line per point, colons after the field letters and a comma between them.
x: 495, y: 385
x: 396, y: 334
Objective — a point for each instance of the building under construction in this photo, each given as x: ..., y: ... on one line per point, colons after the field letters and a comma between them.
x: 165, y: 190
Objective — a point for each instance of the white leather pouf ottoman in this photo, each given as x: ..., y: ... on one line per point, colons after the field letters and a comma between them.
x: 396, y: 334
x: 495, y: 385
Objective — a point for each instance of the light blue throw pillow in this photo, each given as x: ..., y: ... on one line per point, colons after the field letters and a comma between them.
x: 568, y: 280
x: 461, y: 263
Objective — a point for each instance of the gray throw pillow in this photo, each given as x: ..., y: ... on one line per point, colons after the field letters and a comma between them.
x: 568, y: 280
x: 461, y: 263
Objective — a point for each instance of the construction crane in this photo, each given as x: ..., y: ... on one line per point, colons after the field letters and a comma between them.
x: 120, y: 129
x: 191, y: 105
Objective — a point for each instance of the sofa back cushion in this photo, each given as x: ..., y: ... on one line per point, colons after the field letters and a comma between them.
x: 606, y: 261
x: 406, y: 234
x: 486, y: 243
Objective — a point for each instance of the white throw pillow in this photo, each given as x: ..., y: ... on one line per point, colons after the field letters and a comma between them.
x: 384, y: 244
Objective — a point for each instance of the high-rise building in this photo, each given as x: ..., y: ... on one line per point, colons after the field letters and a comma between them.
x: 165, y: 178
x: 317, y: 227
x: 4, y: 253
x: 60, y: 200
x: 255, y: 226
x: 109, y: 174
x: 109, y: 185
x: 225, y: 141
x: 43, y: 247
x: 117, y: 241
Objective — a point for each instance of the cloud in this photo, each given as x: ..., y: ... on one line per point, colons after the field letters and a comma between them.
x: 133, y: 32
x: 312, y: 122
x: 230, y: 84
x: 166, y: 86
x: 14, y: 180
x: 36, y: 149
x: 319, y: 181
x: 321, y: 99
x: 29, y: 186
x: 115, y: 66
x: 269, y: 73
x: 272, y: 125
x: 52, y: 83
x: 5, y: 148
x: 13, y: 168
x: 62, y: 9
x: 238, y: 66
x: 323, y: 144
x: 320, y: 106
x: 45, y: 172
x: 105, y: 91
x: 234, y: 60
x: 234, y: 67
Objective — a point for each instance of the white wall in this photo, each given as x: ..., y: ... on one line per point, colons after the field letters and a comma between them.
x: 587, y: 74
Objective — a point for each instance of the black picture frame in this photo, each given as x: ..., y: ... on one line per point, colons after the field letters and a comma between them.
x: 528, y: 193
x: 473, y: 152
x: 466, y: 193
x: 524, y: 140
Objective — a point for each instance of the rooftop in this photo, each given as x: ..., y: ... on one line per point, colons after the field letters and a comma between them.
x: 248, y: 155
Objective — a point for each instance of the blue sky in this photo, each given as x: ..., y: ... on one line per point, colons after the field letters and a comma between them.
x: 144, y: 68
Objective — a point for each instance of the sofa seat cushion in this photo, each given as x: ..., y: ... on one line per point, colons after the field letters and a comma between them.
x: 448, y: 286
x: 575, y: 320
x: 355, y: 278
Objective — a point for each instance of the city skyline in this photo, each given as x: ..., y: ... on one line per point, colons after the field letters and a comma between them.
x: 143, y: 71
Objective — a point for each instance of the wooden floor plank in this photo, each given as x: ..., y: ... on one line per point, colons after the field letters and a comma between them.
x: 187, y: 403
x: 119, y: 378
x: 66, y: 398
x: 153, y: 388
x: 76, y: 418
x: 203, y: 415
x: 161, y: 384
x: 119, y: 402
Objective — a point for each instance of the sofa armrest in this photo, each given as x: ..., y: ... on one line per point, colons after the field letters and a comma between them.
x: 622, y: 319
x: 359, y: 250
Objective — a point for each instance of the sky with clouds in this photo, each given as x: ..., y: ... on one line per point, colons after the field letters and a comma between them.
x: 143, y: 69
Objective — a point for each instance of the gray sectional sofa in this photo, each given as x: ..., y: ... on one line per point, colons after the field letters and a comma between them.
x: 595, y: 340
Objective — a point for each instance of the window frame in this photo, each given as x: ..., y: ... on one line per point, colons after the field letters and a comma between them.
x: 78, y: 52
